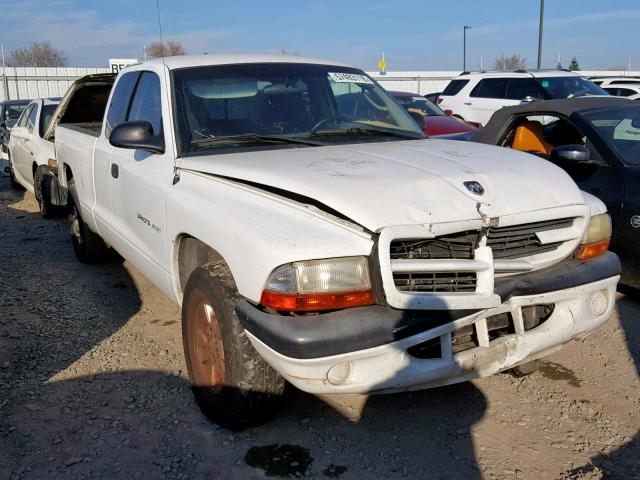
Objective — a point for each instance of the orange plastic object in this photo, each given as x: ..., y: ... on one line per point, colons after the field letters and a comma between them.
x: 591, y: 250
x: 315, y: 302
x: 529, y: 137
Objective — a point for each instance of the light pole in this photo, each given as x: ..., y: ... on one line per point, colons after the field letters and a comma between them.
x: 540, y: 33
x: 464, y: 47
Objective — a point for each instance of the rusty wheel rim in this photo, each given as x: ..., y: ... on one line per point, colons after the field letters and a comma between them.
x: 206, y: 352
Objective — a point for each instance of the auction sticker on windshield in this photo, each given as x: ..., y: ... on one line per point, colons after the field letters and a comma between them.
x: 350, y: 78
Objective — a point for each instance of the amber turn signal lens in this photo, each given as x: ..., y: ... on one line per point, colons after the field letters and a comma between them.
x: 591, y: 250
x: 311, y: 302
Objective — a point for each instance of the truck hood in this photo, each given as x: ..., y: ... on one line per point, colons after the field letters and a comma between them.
x: 403, y: 182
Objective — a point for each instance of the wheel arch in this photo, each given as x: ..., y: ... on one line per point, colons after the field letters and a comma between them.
x: 190, y: 253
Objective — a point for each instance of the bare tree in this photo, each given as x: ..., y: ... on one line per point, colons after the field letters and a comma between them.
x: 39, y: 54
x: 166, y: 49
x: 513, y: 62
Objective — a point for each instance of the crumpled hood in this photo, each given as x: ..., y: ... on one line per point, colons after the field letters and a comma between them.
x: 404, y: 182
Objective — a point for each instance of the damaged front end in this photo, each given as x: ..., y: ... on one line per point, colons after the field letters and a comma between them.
x: 460, y: 301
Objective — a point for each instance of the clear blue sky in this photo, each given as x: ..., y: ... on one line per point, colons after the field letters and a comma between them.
x: 415, y: 35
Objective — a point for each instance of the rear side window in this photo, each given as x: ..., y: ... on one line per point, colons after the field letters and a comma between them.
x: 31, y: 120
x: 146, y: 102
x: 120, y: 101
x: 491, y: 88
x: 454, y: 87
x: 45, y: 117
x: 626, y: 92
x: 25, y: 115
x: 520, y: 88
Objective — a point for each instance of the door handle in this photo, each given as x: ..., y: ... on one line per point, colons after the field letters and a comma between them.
x: 468, y: 103
x: 114, y: 170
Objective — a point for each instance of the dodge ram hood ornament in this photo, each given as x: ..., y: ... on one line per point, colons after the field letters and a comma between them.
x: 474, y: 187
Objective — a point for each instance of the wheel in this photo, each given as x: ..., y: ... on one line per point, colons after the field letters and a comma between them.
x: 233, y: 386
x: 42, y: 191
x: 87, y: 245
x: 14, y: 184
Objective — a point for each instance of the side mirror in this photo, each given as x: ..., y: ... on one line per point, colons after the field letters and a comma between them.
x: 419, y: 119
x: 20, y: 132
x: 571, y: 153
x: 136, y: 135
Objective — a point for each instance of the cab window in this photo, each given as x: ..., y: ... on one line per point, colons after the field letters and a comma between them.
x: 120, y: 101
x: 146, y: 105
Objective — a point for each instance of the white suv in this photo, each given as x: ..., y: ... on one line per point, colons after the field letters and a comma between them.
x: 607, y: 81
x: 628, y: 90
x: 474, y: 96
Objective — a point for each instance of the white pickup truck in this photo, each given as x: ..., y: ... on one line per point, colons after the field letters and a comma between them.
x: 311, y: 233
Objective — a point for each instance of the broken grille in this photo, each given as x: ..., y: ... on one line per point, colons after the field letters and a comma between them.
x: 459, y: 245
x: 436, y: 281
x: 521, y: 240
x: 506, y: 242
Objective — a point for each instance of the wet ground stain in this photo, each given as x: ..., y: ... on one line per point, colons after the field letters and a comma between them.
x: 280, y: 460
x: 555, y: 371
x: 334, y: 471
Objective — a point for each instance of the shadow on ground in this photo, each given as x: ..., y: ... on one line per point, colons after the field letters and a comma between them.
x: 145, y: 424
x: 622, y: 462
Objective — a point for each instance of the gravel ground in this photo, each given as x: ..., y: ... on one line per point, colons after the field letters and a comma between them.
x: 93, y: 385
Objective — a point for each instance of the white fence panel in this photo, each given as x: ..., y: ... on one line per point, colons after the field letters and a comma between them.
x: 35, y: 82
x: 23, y: 83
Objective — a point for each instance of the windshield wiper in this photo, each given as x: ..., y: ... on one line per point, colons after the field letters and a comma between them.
x: 254, y: 138
x: 365, y: 131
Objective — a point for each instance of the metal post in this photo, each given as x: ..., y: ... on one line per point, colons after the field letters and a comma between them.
x: 5, y: 84
x: 464, y: 47
x: 540, y: 28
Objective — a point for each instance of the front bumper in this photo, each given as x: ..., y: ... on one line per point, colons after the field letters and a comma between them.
x: 365, y: 350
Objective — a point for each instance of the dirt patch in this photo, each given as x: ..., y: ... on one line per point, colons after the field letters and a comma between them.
x: 93, y: 385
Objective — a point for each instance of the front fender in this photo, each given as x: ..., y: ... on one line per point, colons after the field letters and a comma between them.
x: 253, y: 230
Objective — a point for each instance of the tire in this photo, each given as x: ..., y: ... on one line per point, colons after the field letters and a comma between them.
x: 43, y: 195
x: 233, y: 386
x: 87, y: 245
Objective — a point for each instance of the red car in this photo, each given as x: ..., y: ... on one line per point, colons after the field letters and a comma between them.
x: 435, y: 121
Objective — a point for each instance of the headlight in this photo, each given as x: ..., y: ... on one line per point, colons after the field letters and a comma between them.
x: 315, y: 285
x: 596, y: 238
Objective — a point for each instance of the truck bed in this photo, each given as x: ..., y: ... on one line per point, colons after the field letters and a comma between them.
x: 90, y: 128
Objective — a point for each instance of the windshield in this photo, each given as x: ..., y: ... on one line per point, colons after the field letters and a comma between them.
x: 282, y: 105
x: 419, y: 105
x: 620, y: 129
x: 12, y: 112
x: 569, y: 87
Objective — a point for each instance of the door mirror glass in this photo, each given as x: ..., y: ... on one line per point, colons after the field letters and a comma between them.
x: 136, y: 135
x: 571, y: 153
